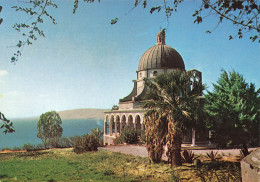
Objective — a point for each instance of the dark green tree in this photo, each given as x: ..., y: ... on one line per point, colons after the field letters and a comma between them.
x: 49, y: 127
x: 170, y: 104
x: 234, y: 111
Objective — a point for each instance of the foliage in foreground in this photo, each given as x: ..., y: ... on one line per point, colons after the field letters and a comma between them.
x: 7, y: 124
x: 65, y: 165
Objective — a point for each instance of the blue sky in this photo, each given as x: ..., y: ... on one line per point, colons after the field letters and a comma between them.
x: 85, y: 62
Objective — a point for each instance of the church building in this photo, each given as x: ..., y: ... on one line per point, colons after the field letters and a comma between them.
x: 160, y: 58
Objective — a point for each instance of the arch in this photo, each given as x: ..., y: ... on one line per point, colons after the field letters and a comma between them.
x: 117, y: 126
x: 138, y: 123
x: 112, y: 125
x: 130, y: 121
x: 122, y: 123
x: 106, y: 125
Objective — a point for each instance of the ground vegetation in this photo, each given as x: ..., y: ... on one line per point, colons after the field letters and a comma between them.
x: 65, y: 165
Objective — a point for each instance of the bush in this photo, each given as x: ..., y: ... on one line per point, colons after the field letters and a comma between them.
x: 142, y: 136
x: 88, y: 142
x: 129, y: 135
x: 119, y: 140
x: 212, y: 155
x: 62, y: 142
x: 224, y: 172
x: 188, y: 156
x: 28, y: 147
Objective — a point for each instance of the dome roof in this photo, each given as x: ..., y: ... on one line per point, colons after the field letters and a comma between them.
x: 161, y: 56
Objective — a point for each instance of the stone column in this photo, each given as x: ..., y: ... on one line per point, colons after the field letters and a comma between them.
x: 105, y: 127
x: 193, y: 137
x: 209, y: 138
x: 110, y: 128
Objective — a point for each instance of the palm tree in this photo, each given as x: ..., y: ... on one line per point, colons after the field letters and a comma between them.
x: 171, y: 106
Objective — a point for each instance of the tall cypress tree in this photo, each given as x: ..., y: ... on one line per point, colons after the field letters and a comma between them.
x: 234, y: 111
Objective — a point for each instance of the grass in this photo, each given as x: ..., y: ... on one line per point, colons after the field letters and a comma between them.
x: 64, y: 165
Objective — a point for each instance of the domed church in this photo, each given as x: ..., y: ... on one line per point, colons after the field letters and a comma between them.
x: 160, y: 58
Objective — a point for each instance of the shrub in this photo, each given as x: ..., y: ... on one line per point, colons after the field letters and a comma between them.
x: 119, y: 140
x: 129, y: 135
x: 212, y: 155
x: 28, y: 147
x: 87, y: 142
x: 188, y: 156
x: 62, y: 142
x: 142, y: 136
x: 227, y: 172
x: 39, y: 147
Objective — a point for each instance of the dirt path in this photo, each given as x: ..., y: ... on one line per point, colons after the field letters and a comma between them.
x: 137, y: 150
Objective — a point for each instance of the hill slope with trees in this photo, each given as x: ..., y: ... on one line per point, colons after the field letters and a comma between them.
x: 82, y: 114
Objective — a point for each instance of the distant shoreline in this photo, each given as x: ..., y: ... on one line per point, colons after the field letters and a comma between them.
x: 87, y: 113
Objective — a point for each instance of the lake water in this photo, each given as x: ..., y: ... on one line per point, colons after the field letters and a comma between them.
x: 26, y: 131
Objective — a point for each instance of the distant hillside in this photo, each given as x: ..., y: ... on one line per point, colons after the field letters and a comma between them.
x: 82, y: 114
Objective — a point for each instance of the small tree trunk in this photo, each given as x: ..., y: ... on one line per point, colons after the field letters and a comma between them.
x: 174, y: 141
x: 245, y: 149
x: 176, y: 152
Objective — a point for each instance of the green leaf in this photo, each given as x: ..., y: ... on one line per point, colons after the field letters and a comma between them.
x: 114, y: 21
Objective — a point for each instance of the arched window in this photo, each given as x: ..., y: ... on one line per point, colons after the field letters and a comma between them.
x: 138, y: 123
x: 130, y: 121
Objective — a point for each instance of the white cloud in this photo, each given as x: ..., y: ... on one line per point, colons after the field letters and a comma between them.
x: 3, y: 72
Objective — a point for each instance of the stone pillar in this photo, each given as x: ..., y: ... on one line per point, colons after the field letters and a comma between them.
x: 193, y: 137
x: 110, y: 128
x: 135, y: 125
x: 105, y: 127
x: 209, y: 138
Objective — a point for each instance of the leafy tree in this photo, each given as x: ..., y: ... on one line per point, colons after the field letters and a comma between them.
x: 7, y: 124
x: 234, y: 111
x: 115, y: 107
x: 170, y: 113
x: 244, y: 14
x: 49, y: 127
